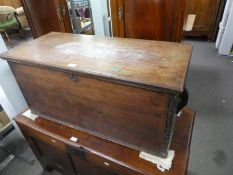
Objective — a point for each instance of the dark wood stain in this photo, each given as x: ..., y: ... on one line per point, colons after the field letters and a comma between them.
x: 124, y: 114
x: 206, y: 12
x: 43, y: 18
x: 150, y: 19
x: 97, y: 152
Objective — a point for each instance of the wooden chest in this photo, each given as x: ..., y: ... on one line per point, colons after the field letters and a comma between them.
x: 91, y: 155
x: 123, y: 90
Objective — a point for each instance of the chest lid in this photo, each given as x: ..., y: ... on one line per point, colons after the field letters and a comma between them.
x: 153, y: 64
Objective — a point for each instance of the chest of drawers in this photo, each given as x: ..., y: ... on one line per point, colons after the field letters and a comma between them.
x: 91, y: 155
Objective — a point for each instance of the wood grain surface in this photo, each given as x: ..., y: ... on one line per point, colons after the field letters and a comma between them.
x: 131, y: 116
x: 123, y: 90
x: 206, y: 12
x: 106, y: 154
x: 150, y: 19
x: 153, y: 20
x: 149, y: 63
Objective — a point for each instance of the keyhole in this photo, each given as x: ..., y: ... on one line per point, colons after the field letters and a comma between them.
x: 73, y: 77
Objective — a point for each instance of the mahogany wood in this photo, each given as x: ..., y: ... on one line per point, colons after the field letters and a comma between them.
x: 92, y: 105
x: 118, y: 23
x: 43, y: 16
x: 103, y: 155
x: 150, y: 19
x: 124, y: 90
x: 206, y: 12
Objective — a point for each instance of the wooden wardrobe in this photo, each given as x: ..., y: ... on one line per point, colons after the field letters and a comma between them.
x: 151, y: 19
x: 47, y: 15
x: 207, y: 12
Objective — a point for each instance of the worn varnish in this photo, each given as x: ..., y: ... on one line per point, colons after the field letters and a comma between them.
x: 94, y: 156
x: 123, y: 90
x: 148, y: 63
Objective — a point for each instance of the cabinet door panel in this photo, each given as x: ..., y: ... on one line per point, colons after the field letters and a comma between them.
x: 205, y: 11
x: 146, y: 18
x: 45, y: 16
x: 150, y: 19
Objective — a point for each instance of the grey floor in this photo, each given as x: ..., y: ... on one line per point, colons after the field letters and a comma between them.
x: 210, y: 83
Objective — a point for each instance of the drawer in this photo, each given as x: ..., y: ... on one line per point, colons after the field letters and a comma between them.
x: 83, y: 157
x: 49, y: 150
x: 85, y: 167
x: 36, y: 133
x: 55, y: 153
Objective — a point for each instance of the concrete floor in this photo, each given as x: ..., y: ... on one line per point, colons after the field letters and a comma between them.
x: 210, y: 84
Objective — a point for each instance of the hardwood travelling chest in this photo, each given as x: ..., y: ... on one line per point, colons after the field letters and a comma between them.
x: 91, y: 155
x: 123, y: 90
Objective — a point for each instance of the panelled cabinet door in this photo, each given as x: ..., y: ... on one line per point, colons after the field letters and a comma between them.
x: 47, y: 16
x: 150, y: 19
x: 50, y: 157
x: 206, y: 13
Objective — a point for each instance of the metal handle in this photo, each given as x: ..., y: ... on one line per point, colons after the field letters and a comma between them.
x: 64, y: 10
x: 120, y: 13
x: 58, y: 10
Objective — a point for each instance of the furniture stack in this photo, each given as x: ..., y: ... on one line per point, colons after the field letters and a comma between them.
x: 102, y: 101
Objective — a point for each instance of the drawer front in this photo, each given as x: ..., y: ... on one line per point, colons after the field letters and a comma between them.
x: 85, y: 167
x: 52, y: 158
x: 38, y: 134
x: 83, y: 158
x: 57, y: 154
x: 131, y: 116
x: 110, y: 165
x: 50, y: 151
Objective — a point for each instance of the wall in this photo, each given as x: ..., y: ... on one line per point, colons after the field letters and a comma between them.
x: 100, y: 17
x: 11, y: 97
x: 225, y: 38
